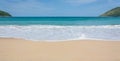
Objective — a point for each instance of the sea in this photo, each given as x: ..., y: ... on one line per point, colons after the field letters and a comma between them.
x: 60, y: 28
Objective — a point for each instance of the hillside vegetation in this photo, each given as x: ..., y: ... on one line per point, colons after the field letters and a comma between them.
x: 112, y: 13
x: 4, y: 14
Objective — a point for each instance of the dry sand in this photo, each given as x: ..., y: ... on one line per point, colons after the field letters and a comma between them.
x: 84, y: 50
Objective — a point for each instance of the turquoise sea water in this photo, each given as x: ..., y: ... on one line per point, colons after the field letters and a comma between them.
x: 60, y: 28
x: 70, y: 21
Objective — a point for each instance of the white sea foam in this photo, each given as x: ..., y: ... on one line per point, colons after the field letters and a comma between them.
x: 55, y: 33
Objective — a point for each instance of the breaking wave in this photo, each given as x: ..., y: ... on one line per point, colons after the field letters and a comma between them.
x: 53, y: 32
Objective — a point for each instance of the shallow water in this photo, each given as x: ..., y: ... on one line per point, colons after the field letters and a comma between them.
x: 61, y: 28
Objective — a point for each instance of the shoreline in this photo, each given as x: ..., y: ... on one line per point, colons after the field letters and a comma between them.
x: 90, y: 39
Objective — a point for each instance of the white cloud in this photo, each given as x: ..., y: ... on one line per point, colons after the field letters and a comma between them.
x: 79, y: 2
x: 113, y: 1
x: 27, y: 7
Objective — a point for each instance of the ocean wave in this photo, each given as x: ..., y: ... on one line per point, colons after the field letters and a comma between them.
x: 53, y: 32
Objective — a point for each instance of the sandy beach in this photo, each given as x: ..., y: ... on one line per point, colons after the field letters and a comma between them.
x: 77, y: 50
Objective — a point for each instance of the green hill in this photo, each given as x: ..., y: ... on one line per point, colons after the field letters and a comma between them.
x: 4, y: 14
x: 112, y: 13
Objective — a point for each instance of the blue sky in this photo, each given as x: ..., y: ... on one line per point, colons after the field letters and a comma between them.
x: 33, y: 8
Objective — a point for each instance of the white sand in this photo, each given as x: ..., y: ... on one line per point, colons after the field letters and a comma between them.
x: 84, y: 50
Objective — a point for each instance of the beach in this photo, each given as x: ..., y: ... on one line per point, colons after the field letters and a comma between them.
x: 75, y: 50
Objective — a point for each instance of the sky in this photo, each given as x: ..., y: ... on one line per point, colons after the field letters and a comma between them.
x: 37, y: 8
